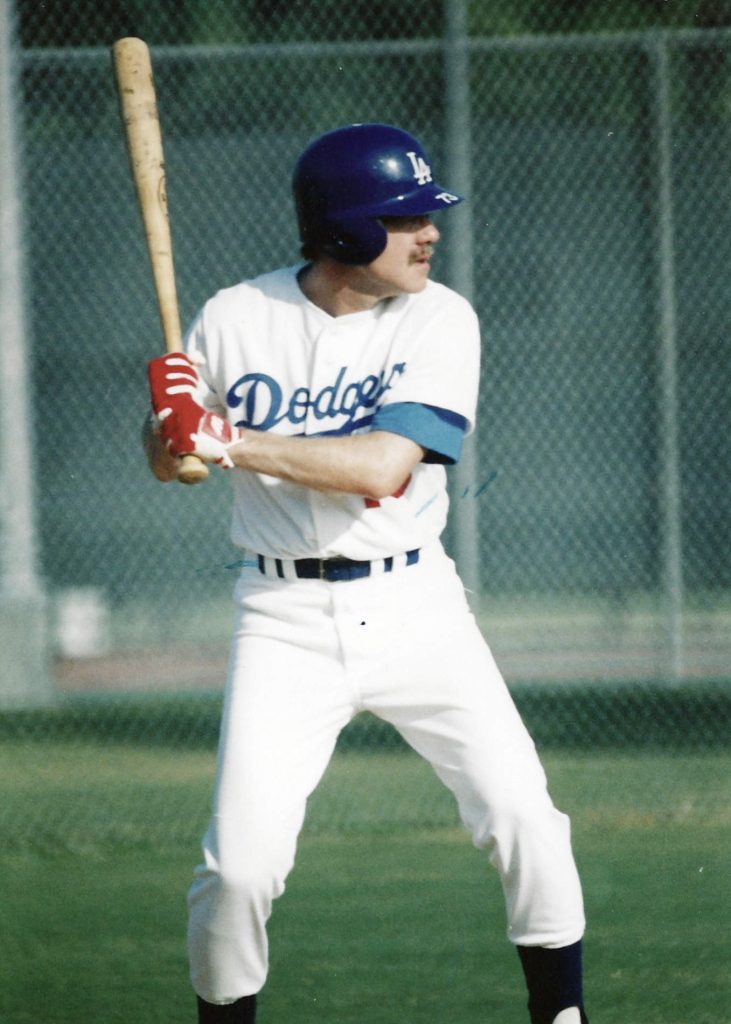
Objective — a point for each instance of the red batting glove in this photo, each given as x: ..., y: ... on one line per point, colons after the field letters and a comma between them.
x: 212, y: 438
x: 186, y: 428
x: 195, y: 431
x: 173, y: 381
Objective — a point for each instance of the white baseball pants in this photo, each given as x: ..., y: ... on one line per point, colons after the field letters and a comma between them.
x: 306, y: 657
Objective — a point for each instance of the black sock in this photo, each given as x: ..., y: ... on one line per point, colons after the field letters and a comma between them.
x: 554, y: 980
x: 243, y: 1011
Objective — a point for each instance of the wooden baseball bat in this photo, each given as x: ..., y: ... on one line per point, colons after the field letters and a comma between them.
x: 138, y: 108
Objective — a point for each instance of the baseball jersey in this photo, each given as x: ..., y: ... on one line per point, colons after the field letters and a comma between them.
x: 269, y: 359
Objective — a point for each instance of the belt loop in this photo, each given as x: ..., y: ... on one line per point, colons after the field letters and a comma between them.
x: 262, y: 565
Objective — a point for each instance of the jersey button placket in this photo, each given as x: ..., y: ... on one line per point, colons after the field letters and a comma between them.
x: 322, y: 371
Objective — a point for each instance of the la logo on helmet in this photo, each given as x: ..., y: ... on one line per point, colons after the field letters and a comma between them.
x: 422, y: 170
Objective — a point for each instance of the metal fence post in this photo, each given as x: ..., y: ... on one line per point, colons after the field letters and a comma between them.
x: 24, y: 677
x: 461, y: 267
x: 671, y: 510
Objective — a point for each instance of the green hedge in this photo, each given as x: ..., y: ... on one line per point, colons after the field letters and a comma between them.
x: 573, y: 717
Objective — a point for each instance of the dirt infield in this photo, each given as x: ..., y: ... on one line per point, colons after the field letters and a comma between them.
x: 190, y: 668
x: 143, y: 670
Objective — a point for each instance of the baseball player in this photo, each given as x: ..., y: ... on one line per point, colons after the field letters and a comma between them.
x: 336, y: 391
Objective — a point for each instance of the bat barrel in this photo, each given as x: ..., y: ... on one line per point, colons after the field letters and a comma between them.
x: 138, y: 110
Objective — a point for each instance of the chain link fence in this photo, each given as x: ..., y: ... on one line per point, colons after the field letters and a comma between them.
x: 591, y: 514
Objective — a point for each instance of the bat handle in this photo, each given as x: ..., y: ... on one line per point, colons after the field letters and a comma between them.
x: 192, y: 470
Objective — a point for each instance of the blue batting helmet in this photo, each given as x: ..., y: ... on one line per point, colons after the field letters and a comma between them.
x: 347, y: 179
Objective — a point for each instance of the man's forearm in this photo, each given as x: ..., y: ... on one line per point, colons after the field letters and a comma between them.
x: 374, y: 464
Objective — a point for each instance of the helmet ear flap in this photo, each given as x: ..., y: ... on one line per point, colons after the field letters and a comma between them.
x: 354, y: 242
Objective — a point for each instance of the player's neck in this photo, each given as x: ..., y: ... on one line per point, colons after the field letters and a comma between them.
x: 340, y: 289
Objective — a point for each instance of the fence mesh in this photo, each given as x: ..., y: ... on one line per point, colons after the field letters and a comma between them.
x: 599, y: 222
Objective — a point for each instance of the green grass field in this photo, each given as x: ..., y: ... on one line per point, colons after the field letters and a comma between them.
x: 382, y: 922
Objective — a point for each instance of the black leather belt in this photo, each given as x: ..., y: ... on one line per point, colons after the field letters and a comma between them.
x: 333, y: 570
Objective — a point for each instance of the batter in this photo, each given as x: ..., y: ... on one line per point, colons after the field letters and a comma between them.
x: 336, y: 391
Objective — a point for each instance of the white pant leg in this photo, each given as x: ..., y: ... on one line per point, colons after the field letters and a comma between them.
x: 284, y: 708
x: 430, y: 673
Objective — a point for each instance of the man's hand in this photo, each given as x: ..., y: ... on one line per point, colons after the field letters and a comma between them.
x: 184, y: 426
x: 173, y: 381
x: 211, y: 438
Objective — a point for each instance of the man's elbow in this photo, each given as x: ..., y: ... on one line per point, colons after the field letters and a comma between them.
x: 384, y: 478
x: 372, y: 489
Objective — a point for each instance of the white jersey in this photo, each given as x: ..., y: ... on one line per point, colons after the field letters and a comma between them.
x: 272, y: 360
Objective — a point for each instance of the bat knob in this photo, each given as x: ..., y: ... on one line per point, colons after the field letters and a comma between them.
x: 192, y: 470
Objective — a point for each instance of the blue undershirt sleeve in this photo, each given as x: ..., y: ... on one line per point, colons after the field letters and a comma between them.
x: 440, y: 431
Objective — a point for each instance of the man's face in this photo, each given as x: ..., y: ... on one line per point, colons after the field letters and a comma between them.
x: 403, y: 266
